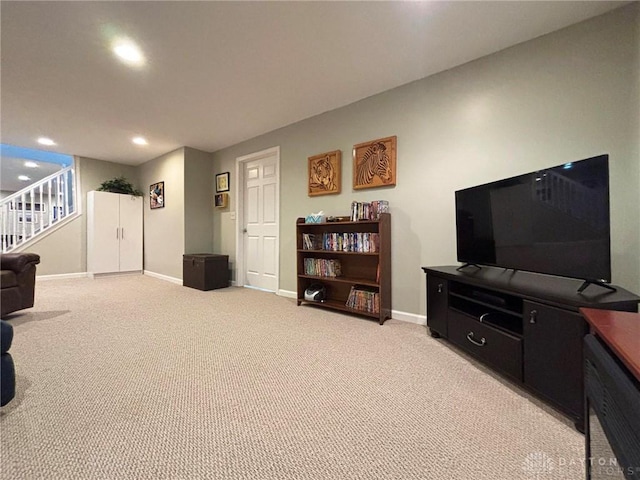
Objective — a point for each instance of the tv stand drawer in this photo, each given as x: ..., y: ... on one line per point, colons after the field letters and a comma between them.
x: 499, y: 349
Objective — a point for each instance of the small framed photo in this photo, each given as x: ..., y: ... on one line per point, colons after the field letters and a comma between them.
x: 221, y: 200
x: 156, y: 195
x: 222, y: 182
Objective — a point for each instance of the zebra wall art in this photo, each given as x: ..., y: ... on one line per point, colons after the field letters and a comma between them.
x: 374, y: 163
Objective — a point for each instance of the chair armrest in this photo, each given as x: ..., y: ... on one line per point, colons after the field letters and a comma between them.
x: 18, y: 261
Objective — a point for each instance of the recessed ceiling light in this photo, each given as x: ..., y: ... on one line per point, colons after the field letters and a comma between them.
x: 24, y: 178
x: 128, y: 52
x: 139, y: 141
x: 31, y: 164
x: 46, y: 141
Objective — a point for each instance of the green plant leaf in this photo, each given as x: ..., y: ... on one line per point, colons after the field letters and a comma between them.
x: 119, y: 185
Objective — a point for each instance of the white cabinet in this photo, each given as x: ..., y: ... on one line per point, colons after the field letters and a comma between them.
x: 114, y: 232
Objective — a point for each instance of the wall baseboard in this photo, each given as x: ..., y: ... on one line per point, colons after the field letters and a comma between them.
x: 113, y: 274
x: 395, y: 314
x: 61, y: 276
x: 409, y: 317
x: 166, y: 278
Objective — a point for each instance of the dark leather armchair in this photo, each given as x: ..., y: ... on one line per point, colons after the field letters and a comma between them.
x: 18, y: 281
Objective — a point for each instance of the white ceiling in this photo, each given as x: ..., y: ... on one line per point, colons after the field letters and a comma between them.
x: 218, y: 73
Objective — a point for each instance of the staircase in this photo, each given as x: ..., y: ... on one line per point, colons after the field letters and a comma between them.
x: 579, y: 202
x: 35, y: 210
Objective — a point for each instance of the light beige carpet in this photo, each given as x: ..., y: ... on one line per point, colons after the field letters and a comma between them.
x: 133, y: 378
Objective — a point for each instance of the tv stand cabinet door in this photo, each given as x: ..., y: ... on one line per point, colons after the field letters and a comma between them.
x: 553, y: 355
x: 437, y: 305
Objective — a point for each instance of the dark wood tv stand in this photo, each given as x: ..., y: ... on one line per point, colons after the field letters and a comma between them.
x: 524, y: 325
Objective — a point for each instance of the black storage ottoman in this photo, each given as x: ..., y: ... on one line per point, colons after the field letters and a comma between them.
x: 205, y: 271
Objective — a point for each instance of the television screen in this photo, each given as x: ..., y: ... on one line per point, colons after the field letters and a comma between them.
x: 553, y: 221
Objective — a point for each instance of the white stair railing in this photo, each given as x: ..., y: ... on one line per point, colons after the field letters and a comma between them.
x: 37, y: 208
x: 570, y: 197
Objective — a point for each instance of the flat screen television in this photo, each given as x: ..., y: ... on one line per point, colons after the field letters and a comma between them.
x: 553, y: 221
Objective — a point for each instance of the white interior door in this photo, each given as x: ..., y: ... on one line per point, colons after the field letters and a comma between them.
x: 260, y: 218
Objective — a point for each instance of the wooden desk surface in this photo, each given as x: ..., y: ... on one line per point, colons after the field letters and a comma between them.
x: 620, y: 331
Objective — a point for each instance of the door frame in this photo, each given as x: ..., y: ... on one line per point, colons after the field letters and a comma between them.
x: 239, y: 201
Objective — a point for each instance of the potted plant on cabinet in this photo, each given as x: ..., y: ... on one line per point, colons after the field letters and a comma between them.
x: 119, y: 185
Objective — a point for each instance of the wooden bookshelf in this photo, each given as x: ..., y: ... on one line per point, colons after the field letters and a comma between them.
x: 369, y: 269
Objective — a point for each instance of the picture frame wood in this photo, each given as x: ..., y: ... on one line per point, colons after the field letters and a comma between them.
x: 324, y: 173
x: 222, y: 182
x: 156, y: 195
x: 374, y: 163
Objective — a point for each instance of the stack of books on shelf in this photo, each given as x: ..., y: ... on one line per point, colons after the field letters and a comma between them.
x: 321, y: 267
x: 365, y: 242
x: 310, y: 242
x: 364, y: 300
x: 368, y: 210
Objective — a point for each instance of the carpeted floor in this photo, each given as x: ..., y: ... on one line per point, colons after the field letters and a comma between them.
x: 132, y: 378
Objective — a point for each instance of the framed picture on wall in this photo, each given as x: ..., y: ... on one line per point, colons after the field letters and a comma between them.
x: 36, y: 207
x: 222, y: 182
x: 156, y: 195
x: 324, y: 173
x: 374, y: 163
x: 221, y: 200
x: 26, y: 218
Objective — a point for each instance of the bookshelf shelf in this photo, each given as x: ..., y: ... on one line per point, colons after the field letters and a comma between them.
x: 363, y: 249
x: 350, y: 280
x: 331, y: 252
x: 335, y: 305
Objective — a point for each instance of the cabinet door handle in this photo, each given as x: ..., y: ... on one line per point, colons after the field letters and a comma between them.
x: 440, y: 287
x: 533, y: 316
x: 122, y: 233
x: 480, y: 343
x: 483, y: 316
x: 117, y: 233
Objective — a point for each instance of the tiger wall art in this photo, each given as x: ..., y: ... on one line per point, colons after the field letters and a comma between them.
x: 324, y: 173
